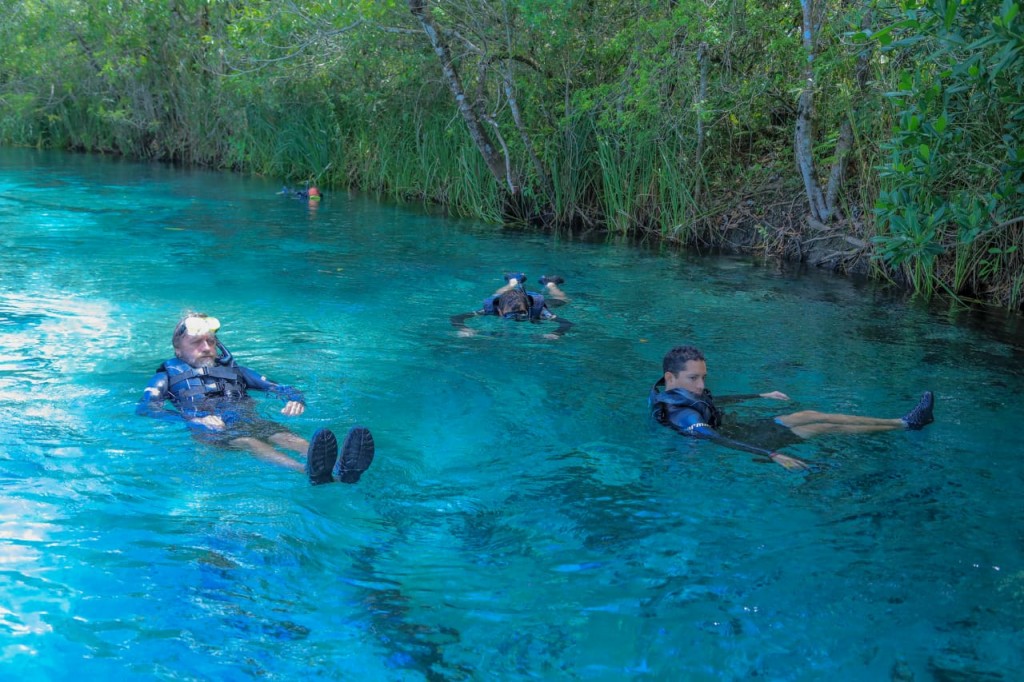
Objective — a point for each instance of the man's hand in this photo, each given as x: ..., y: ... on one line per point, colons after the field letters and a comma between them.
x: 211, y: 421
x: 775, y: 395
x: 791, y: 463
x: 293, y: 408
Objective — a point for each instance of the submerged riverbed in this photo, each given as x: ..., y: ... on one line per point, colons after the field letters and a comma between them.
x: 523, y: 518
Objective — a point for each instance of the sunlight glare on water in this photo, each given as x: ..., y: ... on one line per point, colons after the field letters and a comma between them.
x: 523, y: 518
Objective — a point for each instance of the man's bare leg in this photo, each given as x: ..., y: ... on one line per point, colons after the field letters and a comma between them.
x: 267, y: 453
x: 290, y: 441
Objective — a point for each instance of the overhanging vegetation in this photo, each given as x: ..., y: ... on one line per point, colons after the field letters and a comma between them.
x: 884, y: 135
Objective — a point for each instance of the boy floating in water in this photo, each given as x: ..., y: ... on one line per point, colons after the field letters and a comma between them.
x: 687, y: 406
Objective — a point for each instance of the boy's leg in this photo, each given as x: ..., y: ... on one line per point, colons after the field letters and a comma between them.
x: 810, y: 423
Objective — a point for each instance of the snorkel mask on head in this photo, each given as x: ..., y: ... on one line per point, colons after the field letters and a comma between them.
x: 201, y: 324
x: 518, y: 315
x: 197, y: 324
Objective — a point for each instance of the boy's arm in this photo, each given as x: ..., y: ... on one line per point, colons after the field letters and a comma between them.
x: 688, y: 423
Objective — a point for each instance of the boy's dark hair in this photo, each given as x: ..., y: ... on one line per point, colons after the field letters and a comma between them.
x: 677, y: 358
x: 513, y: 301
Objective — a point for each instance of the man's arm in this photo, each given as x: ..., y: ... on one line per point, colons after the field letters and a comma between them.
x: 153, y: 399
x: 156, y: 395
x: 688, y: 423
x: 295, y: 402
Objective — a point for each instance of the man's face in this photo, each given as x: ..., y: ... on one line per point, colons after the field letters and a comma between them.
x: 691, y: 377
x: 198, y: 351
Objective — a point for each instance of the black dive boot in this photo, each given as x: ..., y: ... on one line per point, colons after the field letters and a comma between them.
x: 321, y: 456
x: 921, y: 415
x: 356, y: 455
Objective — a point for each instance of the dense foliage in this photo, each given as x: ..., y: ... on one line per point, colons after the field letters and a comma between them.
x: 882, y: 132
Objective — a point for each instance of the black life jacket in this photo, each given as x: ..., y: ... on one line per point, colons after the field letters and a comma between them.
x: 704, y: 404
x: 536, y: 307
x: 190, y: 385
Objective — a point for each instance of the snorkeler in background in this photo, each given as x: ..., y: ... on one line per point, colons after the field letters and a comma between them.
x: 513, y: 302
x: 310, y: 194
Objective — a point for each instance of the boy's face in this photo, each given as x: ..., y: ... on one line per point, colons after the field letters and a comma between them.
x: 690, y: 378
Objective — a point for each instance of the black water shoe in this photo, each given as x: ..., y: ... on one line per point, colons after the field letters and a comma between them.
x: 321, y: 456
x: 551, y: 278
x: 921, y: 415
x: 356, y: 455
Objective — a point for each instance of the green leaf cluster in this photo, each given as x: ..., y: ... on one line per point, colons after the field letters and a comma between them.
x: 952, y: 179
x: 673, y: 117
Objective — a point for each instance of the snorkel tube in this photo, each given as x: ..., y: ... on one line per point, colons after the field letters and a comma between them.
x: 224, y: 356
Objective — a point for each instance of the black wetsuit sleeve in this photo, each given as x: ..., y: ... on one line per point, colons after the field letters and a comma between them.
x: 459, y: 321
x: 563, y: 324
x: 688, y: 422
x: 154, y: 399
x: 725, y: 399
x: 259, y: 382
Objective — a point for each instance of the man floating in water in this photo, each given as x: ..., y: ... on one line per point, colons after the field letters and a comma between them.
x: 513, y: 302
x: 687, y: 406
x: 209, y: 392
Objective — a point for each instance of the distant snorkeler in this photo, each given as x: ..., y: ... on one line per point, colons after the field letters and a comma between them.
x: 686, y: 405
x: 310, y: 193
x: 513, y: 302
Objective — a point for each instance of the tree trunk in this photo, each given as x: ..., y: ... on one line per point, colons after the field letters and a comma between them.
x: 846, y: 138
x: 803, y: 143
x: 702, y: 94
x: 477, y: 131
x: 510, y: 96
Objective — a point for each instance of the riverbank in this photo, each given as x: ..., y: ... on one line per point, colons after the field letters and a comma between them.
x: 884, y: 141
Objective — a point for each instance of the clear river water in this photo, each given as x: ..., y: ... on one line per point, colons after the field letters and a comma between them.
x: 524, y: 518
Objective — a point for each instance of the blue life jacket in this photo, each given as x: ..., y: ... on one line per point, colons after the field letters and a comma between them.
x: 536, y: 307
x: 704, y: 404
x: 190, y: 385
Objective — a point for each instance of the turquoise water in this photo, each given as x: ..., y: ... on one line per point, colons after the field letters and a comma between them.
x: 523, y: 519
